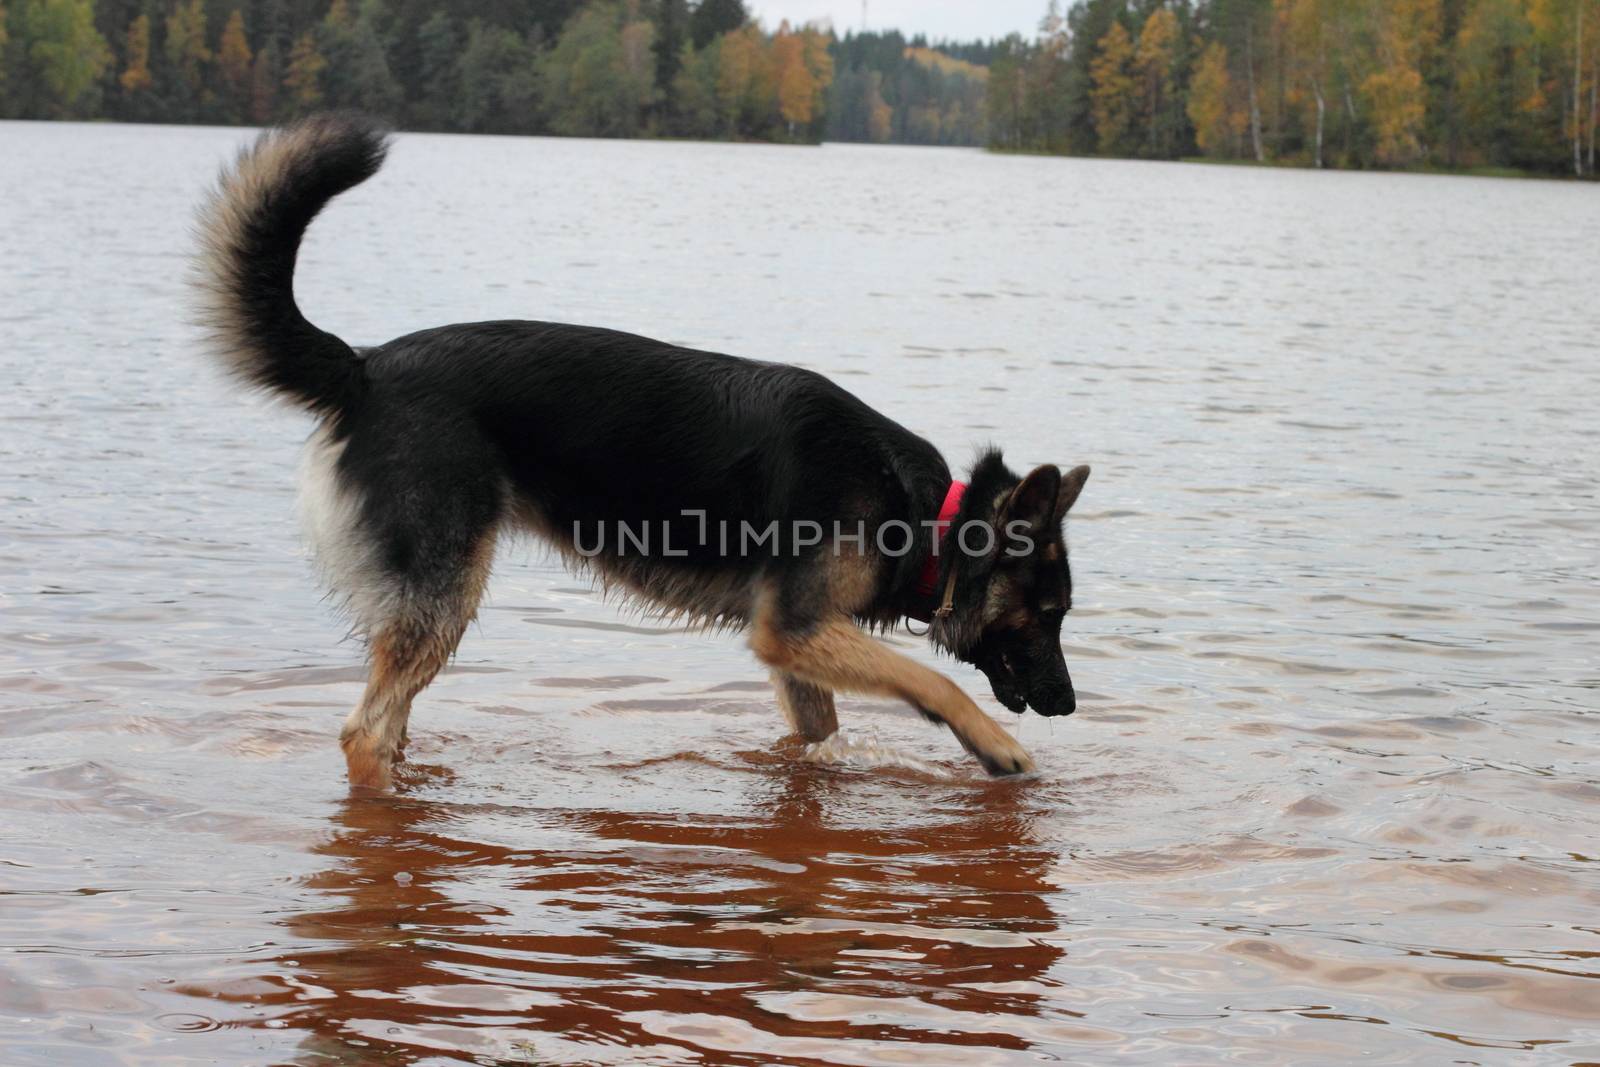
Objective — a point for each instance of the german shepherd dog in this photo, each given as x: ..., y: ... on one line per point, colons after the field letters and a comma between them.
x: 430, y: 446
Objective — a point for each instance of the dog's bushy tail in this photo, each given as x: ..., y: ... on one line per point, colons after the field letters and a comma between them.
x: 250, y: 231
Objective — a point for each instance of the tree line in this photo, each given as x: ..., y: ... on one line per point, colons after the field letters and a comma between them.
x: 605, y: 68
x: 1347, y: 83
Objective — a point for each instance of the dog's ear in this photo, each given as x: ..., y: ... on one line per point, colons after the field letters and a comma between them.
x: 1071, y: 486
x: 1033, y: 501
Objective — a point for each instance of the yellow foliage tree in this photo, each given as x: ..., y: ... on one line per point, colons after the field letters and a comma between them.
x: 135, y: 77
x: 303, y: 79
x: 1406, y: 33
x: 1156, y: 60
x: 747, y: 80
x: 1112, y: 89
x: 1305, y: 24
x: 233, y: 57
x: 735, y: 67
x: 1210, y: 105
x: 1395, y: 94
x: 797, y: 88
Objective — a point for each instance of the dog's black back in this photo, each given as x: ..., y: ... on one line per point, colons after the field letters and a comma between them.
x: 597, y: 429
x: 677, y: 474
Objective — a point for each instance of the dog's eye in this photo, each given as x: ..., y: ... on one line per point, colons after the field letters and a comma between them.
x: 1054, y: 614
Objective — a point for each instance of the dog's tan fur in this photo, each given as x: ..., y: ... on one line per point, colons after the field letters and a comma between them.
x: 404, y: 655
x: 838, y: 655
x: 812, y: 663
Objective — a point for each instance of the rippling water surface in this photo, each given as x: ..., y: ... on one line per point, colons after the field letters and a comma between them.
x: 1332, y: 793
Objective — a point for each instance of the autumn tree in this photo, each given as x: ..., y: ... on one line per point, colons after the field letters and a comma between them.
x: 1114, y: 91
x: 1157, y: 62
x: 135, y: 77
x: 1210, y: 105
x: 302, y: 80
x: 817, y: 56
x: 1406, y: 32
x: 1088, y: 22
x: 743, y: 73
x: 803, y: 71
x: 1307, y: 36
x: 234, y: 70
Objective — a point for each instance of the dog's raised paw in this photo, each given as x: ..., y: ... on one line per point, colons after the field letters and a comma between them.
x: 1001, y: 755
x: 1007, y: 766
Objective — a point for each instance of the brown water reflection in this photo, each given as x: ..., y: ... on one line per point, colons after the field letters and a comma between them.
x: 1330, y: 795
x: 774, y: 934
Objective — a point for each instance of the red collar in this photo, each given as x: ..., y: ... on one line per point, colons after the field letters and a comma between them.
x: 928, y: 580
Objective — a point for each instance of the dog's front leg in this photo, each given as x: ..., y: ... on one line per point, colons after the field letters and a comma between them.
x: 808, y: 707
x: 836, y: 654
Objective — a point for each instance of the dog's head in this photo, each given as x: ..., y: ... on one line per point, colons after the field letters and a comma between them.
x: 1009, y: 601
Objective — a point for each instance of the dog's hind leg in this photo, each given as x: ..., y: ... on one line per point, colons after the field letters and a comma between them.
x: 405, y: 536
x: 808, y: 707
x: 404, y: 655
x: 836, y: 654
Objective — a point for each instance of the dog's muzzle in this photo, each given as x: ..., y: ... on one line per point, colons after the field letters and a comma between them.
x: 1024, y: 676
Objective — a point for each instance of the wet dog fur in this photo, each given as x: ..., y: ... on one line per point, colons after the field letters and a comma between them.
x: 432, y: 446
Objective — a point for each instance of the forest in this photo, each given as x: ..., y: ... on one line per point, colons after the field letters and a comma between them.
x: 1449, y: 84
x: 1325, y: 83
x: 603, y: 68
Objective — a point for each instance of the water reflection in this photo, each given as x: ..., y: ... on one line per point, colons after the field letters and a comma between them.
x: 800, y: 929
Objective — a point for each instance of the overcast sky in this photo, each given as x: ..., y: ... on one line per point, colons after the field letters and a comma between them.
x: 960, y: 19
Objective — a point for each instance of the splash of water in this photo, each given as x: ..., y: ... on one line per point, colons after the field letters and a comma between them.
x: 868, y: 752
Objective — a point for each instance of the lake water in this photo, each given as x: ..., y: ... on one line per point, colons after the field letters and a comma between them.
x: 1332, y: 793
